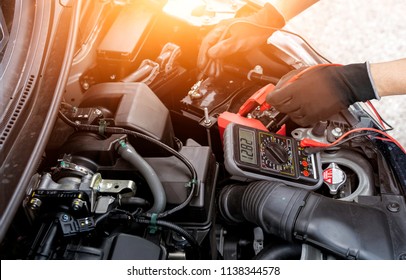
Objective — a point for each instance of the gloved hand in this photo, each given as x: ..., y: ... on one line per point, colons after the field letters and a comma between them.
x: 236, y: 35
x: 316, y: 93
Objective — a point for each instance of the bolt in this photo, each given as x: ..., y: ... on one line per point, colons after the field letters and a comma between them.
x: 194, y: 91
x: 35, y: 203
x: 77, y: 204
x: 65, y: 217
x: 258, y: 69
x: 85, y: 85
x: 393, y: 207
x: 98, y: 112
x: 207, y: 120
x: 337, y: 132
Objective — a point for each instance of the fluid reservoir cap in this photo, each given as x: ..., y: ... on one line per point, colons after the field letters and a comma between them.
x: 334, y: 177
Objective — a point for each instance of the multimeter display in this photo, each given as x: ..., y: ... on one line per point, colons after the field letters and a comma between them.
x: 247, y: 149
x: 252, y: 154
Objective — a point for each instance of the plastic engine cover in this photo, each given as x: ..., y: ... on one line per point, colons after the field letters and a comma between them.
x: 134, y: 106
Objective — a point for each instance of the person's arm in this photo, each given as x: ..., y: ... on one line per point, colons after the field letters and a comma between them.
x: 323, y: 90
x: 389, y: 77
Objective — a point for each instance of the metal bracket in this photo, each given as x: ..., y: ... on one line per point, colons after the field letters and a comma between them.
x: 112, y: 186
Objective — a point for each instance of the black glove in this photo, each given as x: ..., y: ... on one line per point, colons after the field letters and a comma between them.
x: 321, y: 91
x: 237, y: 35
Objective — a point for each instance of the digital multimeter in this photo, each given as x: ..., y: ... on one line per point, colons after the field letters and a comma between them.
x: 252, y: 154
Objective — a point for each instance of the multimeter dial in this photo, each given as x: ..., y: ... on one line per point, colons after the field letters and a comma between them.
x: 276, y: 154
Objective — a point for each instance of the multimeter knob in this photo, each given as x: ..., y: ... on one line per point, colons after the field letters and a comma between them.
x: 276, y: 153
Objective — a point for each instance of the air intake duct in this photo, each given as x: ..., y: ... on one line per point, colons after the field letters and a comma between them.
x: 346, y: 229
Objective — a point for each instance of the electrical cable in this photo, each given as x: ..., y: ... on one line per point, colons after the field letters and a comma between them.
x: 378, y: 116
x: 307, y: 43
x: 177, y: 208
x: 388, y: 125
x: 181, y: 231
x: 383, y: 123
x: 306, y: 142
x: 312, y: 150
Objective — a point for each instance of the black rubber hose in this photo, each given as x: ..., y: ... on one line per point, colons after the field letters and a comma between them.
x: 230, y: 200
x: 127, y: 152
x: 45, y: 247
x: 346, y: 229
x: 118, y: 130
x: 288, y: 251
x: 101, y: 218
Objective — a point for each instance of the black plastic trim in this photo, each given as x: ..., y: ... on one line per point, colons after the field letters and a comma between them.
x: 54, y: 56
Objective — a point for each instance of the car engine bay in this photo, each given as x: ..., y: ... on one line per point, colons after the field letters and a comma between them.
x: 146, y: 161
